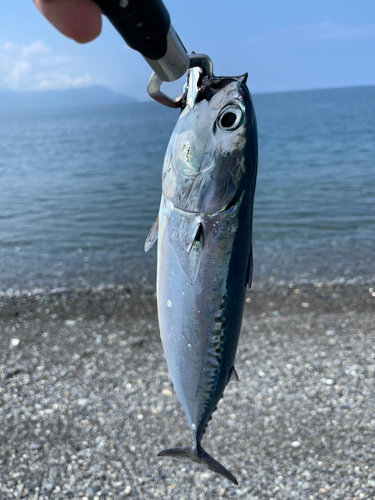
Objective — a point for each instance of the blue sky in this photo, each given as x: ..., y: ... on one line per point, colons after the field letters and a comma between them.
x: 285, y: 45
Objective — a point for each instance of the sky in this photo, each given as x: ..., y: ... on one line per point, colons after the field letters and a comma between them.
x: 289, y: 45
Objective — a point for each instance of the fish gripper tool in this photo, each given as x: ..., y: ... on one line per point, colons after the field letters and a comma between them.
x: 145, y: 25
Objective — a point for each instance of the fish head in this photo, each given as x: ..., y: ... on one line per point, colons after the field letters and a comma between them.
x: 206, y: 161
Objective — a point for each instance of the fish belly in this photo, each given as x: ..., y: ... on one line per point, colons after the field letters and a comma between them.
x: 200, y: 309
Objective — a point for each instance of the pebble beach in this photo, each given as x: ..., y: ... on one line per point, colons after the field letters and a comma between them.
x: 86, y: 403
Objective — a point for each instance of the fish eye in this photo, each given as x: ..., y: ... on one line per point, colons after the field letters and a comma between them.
x: 230, y: 117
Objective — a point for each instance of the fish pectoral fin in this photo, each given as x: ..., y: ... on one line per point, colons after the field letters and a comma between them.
x: 197, y: 237
x: 200, y: 456
x: 152, y: 235
x: 186, y: 235
x: 233, y: 377
x: 194, y: 253
x: 249, y: 277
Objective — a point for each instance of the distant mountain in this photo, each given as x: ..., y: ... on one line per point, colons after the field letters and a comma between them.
x: 12, y: 100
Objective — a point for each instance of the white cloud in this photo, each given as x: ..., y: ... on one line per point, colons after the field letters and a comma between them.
x: 36, y: 67
x: 37, y: 47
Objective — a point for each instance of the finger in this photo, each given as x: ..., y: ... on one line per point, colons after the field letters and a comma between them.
x: 77, y: 19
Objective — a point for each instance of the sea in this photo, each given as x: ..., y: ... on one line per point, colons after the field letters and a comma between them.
x: 80, y: 189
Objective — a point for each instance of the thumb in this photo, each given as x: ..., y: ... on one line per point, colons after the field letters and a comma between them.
x: 76, y: 19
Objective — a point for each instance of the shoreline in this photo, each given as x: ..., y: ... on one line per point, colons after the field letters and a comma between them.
x: 86, y: 403
x: 135, y: 301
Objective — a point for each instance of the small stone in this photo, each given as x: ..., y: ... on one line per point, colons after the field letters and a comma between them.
x: 127, y: 490
x: 329, y: 381
x: 295, y: 444
x: 14, y: 342
x: 46, y: 486
x: 82, y: 401
x: 35, y: 446
x: 330, y: 333
x: 100, y: 441
x: 140, y: 417
x: 307, y: 474
x: 166, y: 392
x: 70, y: 322
x: 305, y: 304
x: 205, y: 476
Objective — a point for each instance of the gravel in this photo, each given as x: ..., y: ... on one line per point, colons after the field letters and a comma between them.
x: 86, y: 403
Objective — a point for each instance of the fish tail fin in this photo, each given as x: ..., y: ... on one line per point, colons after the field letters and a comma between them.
x: 200, y: 456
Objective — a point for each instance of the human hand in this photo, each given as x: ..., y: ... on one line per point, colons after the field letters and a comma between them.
x: 77, y: 19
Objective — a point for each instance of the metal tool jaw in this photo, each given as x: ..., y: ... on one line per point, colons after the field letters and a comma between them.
x: 154, y: 84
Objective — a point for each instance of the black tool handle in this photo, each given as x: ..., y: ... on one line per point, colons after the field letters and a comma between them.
x: 143, y: 24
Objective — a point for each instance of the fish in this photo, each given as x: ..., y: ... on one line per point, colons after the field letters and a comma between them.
x: 205, y: 259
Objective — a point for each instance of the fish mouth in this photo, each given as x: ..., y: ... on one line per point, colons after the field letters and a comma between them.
x: 203, y: 87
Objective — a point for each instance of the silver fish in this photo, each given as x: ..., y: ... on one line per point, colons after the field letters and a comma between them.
x: 204, y: 230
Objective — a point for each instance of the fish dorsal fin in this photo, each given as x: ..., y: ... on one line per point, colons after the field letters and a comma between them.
x: 249, y: 277
x: 242, y: 78
x: 233, y: 377
x: 152, y: 235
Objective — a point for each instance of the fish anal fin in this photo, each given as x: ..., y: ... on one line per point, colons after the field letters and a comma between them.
x: 152, y: 235
x: 199, y: 456
x: 249, y: 277
x: 233, y: 377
